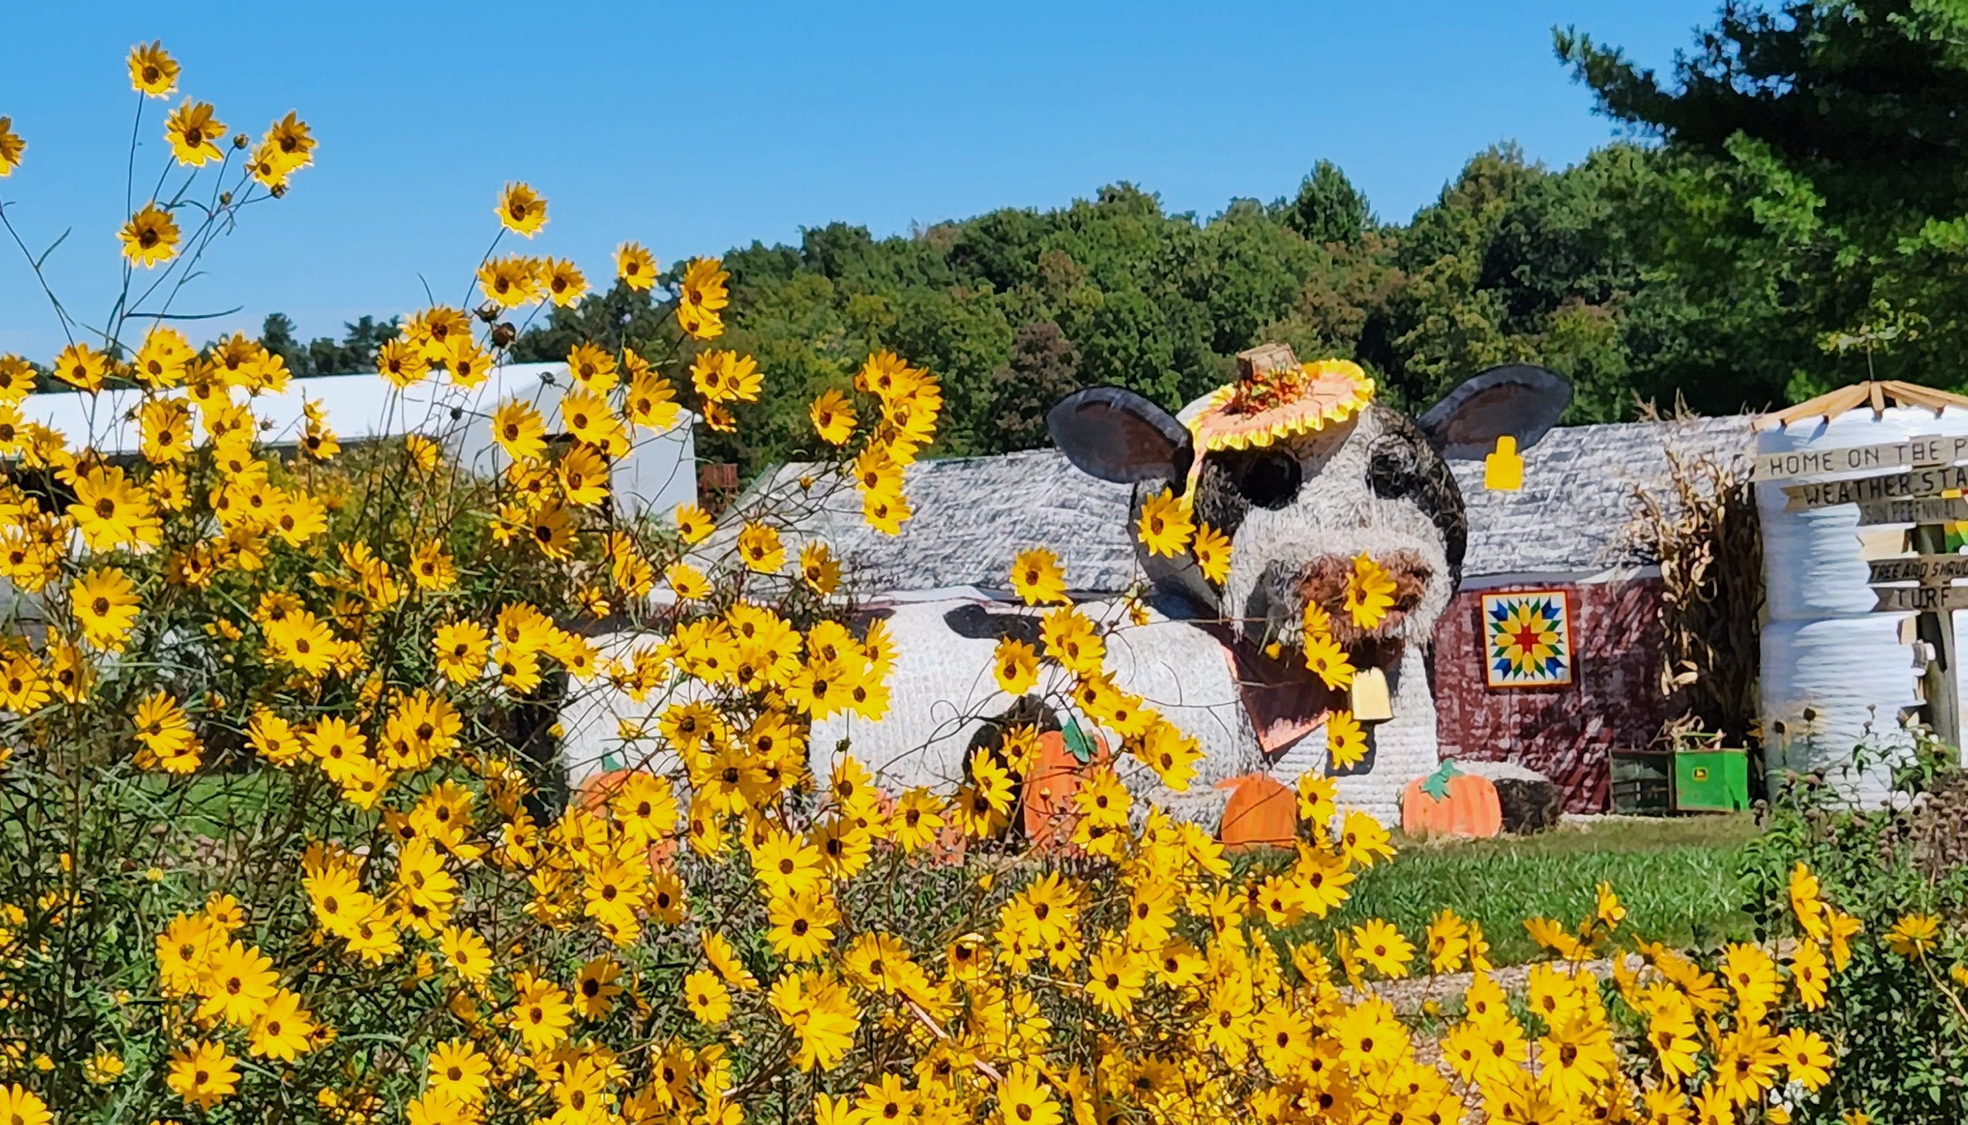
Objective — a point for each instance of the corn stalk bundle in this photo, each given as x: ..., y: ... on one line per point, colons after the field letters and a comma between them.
x: 1700, y: 522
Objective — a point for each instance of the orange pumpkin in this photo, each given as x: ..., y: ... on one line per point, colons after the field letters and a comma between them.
x: 1049, y: 815
x: 1450, y: 802
x: 1261, y: 813
x: 595, y: 793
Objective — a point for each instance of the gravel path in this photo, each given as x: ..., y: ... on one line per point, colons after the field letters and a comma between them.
x: 1408, y: 996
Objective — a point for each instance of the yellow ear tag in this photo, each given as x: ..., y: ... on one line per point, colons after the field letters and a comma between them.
x: 1503, y: 471
x: 1367, y: 696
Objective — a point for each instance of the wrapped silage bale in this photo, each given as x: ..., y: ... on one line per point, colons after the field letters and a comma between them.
x: 1831, y: 685
x: 1834, y: 673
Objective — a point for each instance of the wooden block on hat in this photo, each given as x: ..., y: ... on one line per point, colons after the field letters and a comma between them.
x: 1265, y: 357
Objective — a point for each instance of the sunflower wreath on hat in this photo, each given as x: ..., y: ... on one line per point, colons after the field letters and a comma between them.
x: 1281, y: 402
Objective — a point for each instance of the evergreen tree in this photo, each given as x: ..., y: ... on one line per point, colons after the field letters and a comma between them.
x: 1328, y: 207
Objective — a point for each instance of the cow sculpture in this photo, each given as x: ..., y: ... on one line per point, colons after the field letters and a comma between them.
x: 1303, y: 472
x: 1299, y: 504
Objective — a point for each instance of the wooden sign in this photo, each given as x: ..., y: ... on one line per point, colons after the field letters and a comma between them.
x: 1924, y: 569
x: 1952, y: 509
x: 1913, y: 483
x: 1793, y: 463
x: 1920, y: 452
x: 1920, y: 599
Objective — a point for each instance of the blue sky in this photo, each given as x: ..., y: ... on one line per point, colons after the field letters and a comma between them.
x: 695, y: 127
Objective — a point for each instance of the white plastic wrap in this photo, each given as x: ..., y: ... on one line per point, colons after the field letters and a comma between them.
x: 1829, y: 684
x: 1811, y: 561
x: 1825, y: 653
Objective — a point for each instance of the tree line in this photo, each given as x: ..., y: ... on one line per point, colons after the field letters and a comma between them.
x: 1790, y: 213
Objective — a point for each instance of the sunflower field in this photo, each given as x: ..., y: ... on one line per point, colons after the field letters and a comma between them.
x: 282, y: 840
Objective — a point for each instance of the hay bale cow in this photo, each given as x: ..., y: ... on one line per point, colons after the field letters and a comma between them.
x: 1298, y: 503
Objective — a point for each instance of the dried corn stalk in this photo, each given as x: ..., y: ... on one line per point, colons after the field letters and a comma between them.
x: 1702, y: 527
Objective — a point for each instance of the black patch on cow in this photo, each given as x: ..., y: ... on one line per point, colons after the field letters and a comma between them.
x: 1217, y: 502
x: 1185, y: 456
x: 1402, y: 465
x: 973, y: 622
x: 1266, y: 478
x: 1379, y: 652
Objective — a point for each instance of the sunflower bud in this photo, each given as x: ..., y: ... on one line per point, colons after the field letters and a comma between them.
x: 503, y: 334
x: 241, y: 140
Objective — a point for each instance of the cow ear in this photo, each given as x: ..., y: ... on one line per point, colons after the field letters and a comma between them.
x: 1116, y: 435
x: 1516, y: 400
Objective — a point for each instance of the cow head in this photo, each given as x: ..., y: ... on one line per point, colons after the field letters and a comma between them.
x: 1301, y: 507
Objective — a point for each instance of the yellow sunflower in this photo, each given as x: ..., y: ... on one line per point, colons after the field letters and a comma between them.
x: 150, y: 237
x: 1165, y: 526
x: 153, y: 72
x: 522, y: 210
x: 194, y: 133
x: 1369, y: 592
x: 11, y: 147
x: 635, y: 266
x: 1346, y: 740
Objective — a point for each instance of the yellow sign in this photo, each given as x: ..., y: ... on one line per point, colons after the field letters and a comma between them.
x: 1503, y: 471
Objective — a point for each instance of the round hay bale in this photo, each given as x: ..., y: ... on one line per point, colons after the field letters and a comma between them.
x: 1529, y: 800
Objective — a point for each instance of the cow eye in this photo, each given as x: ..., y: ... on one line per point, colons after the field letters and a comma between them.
x: 1268, y: 478
x: 1391, y: 470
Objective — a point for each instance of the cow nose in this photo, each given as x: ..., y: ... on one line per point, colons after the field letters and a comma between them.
x: 1325, y: 580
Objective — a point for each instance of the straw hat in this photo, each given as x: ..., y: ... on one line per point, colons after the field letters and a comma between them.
x: 1275, y: 396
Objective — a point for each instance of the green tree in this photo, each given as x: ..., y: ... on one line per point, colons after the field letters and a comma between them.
x: 613, y: 318
x: 1328, y: 208
x: 1042, y: 369
x: 355, y: 352
x: 1819, y: 191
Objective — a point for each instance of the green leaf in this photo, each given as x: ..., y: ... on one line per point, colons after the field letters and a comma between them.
x: 1077, y: 741
x: 1437, y: 783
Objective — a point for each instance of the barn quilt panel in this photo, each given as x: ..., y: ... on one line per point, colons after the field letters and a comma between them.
x: 1527, y: 639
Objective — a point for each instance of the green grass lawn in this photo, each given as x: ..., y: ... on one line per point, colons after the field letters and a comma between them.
x: 213, y: 804
x: 1676, y: 876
